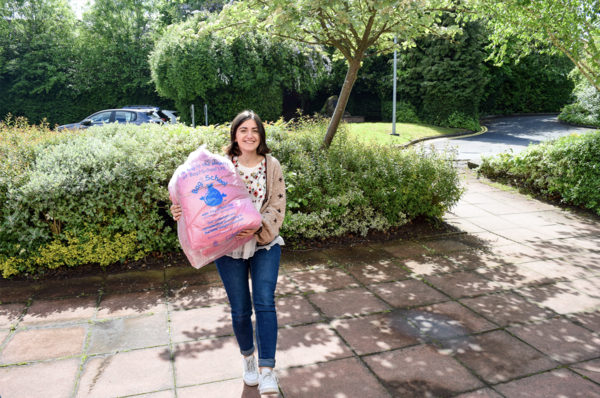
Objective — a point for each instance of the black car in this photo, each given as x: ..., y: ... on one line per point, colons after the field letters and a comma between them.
x: 133, y: 116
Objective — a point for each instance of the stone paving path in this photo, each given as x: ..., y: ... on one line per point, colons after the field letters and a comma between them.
x: 510, y: 308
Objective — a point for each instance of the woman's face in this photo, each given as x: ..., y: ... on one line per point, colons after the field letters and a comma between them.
x: 247, y: 136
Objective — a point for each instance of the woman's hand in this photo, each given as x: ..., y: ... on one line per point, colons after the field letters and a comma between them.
x: 176, y: 210
x: 246, y: 233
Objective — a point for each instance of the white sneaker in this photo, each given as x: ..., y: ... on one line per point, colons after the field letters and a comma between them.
x: 250, y: 371
x: 267, y: 382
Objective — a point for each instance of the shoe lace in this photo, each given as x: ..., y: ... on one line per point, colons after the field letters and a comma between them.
x: 250, y: 365
x: 269, y: 375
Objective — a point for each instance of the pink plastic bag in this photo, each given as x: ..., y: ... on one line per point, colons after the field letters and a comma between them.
x: 215, y: 204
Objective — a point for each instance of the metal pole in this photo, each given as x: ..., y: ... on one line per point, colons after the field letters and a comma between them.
x: 206, y: 114
x: 394, y: 99
x: 193, y: 118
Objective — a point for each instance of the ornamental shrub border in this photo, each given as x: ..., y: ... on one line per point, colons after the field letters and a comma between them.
x: 567, y: 168
x: 100, y: 196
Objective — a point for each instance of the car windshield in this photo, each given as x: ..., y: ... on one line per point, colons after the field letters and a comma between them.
x: 154, y: 116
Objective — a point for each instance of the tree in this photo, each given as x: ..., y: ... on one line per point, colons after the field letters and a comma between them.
x: 570, y: 26
x: 37, y: 41
x: 249, y: 72
x: 350, y: 26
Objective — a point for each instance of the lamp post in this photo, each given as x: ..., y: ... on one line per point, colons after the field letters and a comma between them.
x: 394, y: 99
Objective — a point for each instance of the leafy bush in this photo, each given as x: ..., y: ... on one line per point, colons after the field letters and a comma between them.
x: 586, y: 109
x: 405, y: 112
x: 568, y: 168
x: 100, y: 196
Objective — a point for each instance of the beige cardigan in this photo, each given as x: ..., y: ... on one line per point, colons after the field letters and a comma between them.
x: 273, y: 207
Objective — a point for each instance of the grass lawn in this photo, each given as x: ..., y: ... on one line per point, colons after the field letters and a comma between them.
x: 380, y: 132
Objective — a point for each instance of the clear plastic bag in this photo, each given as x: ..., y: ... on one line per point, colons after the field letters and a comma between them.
x: 215, y: 206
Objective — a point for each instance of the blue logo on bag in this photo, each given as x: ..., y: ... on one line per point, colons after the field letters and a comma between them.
x: 214, y: 197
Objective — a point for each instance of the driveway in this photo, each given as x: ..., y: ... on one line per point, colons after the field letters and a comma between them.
x: 504, y: 134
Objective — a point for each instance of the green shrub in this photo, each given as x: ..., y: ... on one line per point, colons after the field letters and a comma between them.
x: 405, y: 112
x: 100, y: 196
x: 586, y: 109
x: 568, y: 167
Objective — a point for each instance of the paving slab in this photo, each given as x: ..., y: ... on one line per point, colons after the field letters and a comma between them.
x: 589, y: 369
x: 422, y: 371
x: 557, y: 248
x: 17, y: 291
x: 135, y: 280
x: 377, y: 272
x: 234, y: 388
x: 522, y: 234
x: 10, y: 314
x: 517, y: 253
x: 430, y: 265
x: 70, y: 287
x: 136, y: 303
x: 445, y: 244
x: 129, y: 333
x: 588, y: 260
x: 408, y: 293
x: 492, y: 223
x: 159, y: 394
x: 187, y: 297
x: 476, y: 259
x: 54, y: 379
x: 3, y: 335
x: 560, y: 298
x: 586, y: 242
x: 380, y: 332
x: 560, y: 339
x: 469, y: 211
x: 355, y: 255
x: 590, y: 286
x: 447, y: 320
x: 207, y: 361
x: 298, y: 261
x: 201, y: 323
x: 295, y: 310
x: 483, y: 393
x: 285, y: 286
x: 42, y: 344
x: 60, y: 310
x: 309, y: 344
x: 321, y: 280
x: 347, y: 302
x: 462, y: 224
x: 343, y: 378
x: 557, y: 231
x: 558, y: 383
x: 463, y: 284
x: 402, y: 248
x: 589, y: 320
x: 186, y: 276
x: 505, y: 309
x: 498, y: 357
x: 126, y: 373
x: 514, y: 276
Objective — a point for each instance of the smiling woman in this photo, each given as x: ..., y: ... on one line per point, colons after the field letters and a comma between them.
x: 263, y: 178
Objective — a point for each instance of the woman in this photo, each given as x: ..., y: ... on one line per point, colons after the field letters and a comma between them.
x: 263, y: 178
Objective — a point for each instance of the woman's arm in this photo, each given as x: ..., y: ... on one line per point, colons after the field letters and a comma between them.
x: 274, y: 211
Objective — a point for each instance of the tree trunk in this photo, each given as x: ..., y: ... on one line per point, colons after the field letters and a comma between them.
x: 342, y: 101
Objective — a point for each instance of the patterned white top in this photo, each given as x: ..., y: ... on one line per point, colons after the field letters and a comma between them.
x: 255, y: 179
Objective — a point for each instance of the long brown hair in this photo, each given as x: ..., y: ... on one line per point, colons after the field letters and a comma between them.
x: 233, y: 149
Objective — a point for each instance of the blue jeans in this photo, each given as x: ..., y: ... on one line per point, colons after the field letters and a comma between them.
x: 264, y: 268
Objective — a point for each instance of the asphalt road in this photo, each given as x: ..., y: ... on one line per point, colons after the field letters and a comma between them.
x: 513, y: 132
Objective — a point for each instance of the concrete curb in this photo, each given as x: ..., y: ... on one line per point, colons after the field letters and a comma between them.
x: 589, y: 126
x: 518, y: 114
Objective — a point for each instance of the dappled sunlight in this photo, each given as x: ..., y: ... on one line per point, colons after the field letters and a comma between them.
x: 381, y: 271
x: 430, y: 265
x: 115, y: 305
x: 201, y: 323
x: 319, y: 280
x: 197, y: 296
x: 64, y: 310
